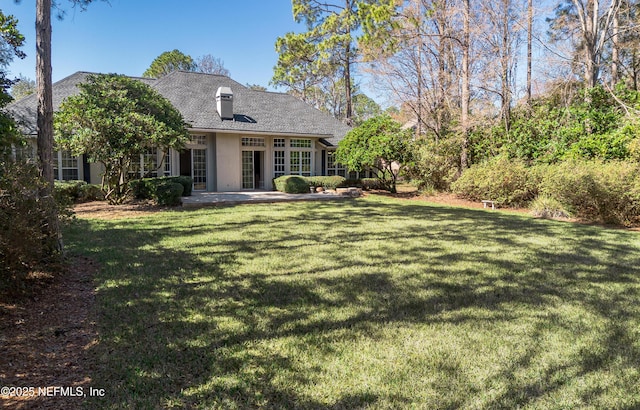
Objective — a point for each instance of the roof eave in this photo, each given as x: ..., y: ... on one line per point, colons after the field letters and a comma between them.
x: 253, y: 132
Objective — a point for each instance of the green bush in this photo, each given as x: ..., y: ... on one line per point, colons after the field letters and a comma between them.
x: 23, y: 213
x: 142, y: 188
x: 505, y: 181
x: 169, y: 193
x: 327, y: 182
x: 186, y: 182
x: 436, y: 164
x: 70, y: 192
x: 147, y: 188
x: 596, y: 191
x: 351, y: 183
x: 369, y: 184
x: 545, y: 206
x: 291, y: 184
x: 91, y: 192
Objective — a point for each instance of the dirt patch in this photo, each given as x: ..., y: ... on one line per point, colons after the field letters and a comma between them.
x: 44, y: 339
x: 444, y: 199
x: 103, y: 210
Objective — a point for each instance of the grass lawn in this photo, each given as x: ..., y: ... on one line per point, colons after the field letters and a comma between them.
x: 374, y: 302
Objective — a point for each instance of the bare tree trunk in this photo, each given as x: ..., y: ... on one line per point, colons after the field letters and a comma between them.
x: 504, y: 62
x: 347, y: 70
x: 634, y: 70
x: 529, y: 49
x: 466, y: 85
x: 595, y: 28
x: 44, y: 84
x: 347, y: 87
x: 45, y: 112
x: 419, y: 78
x: 615, y: 49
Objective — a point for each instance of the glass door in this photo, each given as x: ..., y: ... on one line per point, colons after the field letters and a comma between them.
x: 248, y: 181
x: 252, y: 169
x: 199, y: 169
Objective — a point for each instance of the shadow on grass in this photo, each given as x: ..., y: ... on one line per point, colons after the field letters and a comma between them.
x: 196, y: 310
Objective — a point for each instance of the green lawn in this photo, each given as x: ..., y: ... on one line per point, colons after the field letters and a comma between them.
x: 375, y: 302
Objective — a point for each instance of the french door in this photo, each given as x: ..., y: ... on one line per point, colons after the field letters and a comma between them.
x: 252, y: 169
x: 193, y: 163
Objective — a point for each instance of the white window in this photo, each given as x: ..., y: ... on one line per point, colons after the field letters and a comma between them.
x: 305, y: 163
x: 278, y: 164
x: 167, y: 164
x: 300, y: 143
x: 65, y: 166
x: 199, y: 139
x: 278, y: 143
x: 150, y: 162
x: 252, y: 142
x: 147, y: 164
x: 300, y: 163
x: 333, y: 167
x: 27, y: 152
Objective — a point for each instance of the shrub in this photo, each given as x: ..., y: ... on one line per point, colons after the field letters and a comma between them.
x: 141, y: 188
x: 291, y: 184
x: 369, y: 184
x: 23, y: 213
x: 351, y: 183
x: 186, y: 182
x: 505, y: 181
x: 91, y: 192
x: 69, y: 192
x: 147, y: 188
x: 545, y: 206
x: 327, y: 182
x: 169, y: 193
x: 596, y: 191
x: 436, y: 164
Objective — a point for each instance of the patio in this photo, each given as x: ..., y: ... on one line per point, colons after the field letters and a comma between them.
x: 200, y: 199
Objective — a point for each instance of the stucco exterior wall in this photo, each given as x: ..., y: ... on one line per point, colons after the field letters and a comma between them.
x: 95, y: 172
x: 228, y: 162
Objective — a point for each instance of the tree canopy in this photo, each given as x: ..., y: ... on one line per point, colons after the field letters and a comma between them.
x: 379, y: 143
x: 327, y: 51
x: 209, y: 64
x: 22, y: 87
x: 10, y: 42
x: 113, y: 121
x: 168, y: 62
x: 174, y: 60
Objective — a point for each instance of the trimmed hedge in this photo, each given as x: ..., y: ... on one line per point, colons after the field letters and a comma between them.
x: 147, y: 188
x: 291, y: 184
x: 68, y: 192
x: 351, y: 183
x: 326, y: 182
x: 169, y: 193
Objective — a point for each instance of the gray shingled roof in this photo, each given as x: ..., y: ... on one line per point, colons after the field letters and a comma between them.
x: 194, y: 95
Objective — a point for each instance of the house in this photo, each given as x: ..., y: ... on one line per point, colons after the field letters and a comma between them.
x: 240, y: 138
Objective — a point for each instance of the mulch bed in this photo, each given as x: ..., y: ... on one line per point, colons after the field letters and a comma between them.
x: 45, y: 337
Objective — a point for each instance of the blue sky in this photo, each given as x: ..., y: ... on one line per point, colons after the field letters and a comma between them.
x: 125, y: 36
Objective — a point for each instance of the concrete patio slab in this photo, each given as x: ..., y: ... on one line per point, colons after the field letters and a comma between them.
x: 200, y: 199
